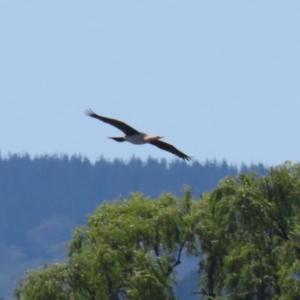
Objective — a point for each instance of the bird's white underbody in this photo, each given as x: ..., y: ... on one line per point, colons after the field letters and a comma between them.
x: 141, y: 138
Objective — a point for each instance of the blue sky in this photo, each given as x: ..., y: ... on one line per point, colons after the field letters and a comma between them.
x: 218, y: 79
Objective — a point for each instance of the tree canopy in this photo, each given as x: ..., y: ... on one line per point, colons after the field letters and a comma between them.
x: 246, y: 233
x: 129, y: 248
x: 252, y: 243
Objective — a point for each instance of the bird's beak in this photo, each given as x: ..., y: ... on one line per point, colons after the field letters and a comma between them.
x: 161, y: 137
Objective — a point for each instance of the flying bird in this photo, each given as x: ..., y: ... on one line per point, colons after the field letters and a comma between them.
x: 136, y: 137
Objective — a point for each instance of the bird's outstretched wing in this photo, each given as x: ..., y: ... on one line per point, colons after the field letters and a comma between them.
x: 170, y: 148
x: 118, y: 124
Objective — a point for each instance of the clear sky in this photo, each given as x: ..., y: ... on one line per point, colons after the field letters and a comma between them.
x: 218, y: 79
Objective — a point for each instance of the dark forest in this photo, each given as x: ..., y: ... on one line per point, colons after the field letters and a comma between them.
x: 44, y: 198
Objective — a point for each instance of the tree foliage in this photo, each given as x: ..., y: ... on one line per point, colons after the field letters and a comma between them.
x: 246, y: 233
x: 128, y: 249
x: 252, y: 246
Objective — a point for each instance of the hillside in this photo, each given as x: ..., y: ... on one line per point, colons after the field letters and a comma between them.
x: 44, y: 198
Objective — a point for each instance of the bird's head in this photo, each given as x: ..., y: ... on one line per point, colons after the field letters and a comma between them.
x: 155, y: 138
x: 158, y: 137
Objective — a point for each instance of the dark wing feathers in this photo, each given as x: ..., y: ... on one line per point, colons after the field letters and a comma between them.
x: 118, y: 124
x: 170, y: 148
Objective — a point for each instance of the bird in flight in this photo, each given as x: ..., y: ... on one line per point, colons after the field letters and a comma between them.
x: 136, y: 137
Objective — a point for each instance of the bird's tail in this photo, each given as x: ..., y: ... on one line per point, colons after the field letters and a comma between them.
x: 118, y: 139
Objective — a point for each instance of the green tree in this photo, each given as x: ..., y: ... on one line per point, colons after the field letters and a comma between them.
x: 246, y: 231
x: 129, y: 248
x: 51, y: 282
x: 252, y: 244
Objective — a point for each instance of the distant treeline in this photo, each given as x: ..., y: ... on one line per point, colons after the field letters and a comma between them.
x: 35, y: 189
x: 43, y: 199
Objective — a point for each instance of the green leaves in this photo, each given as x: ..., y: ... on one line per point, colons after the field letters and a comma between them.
x: 247, y: 232
x: 51, y: 282
x: 253, y: 250
x: 129, y: 248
